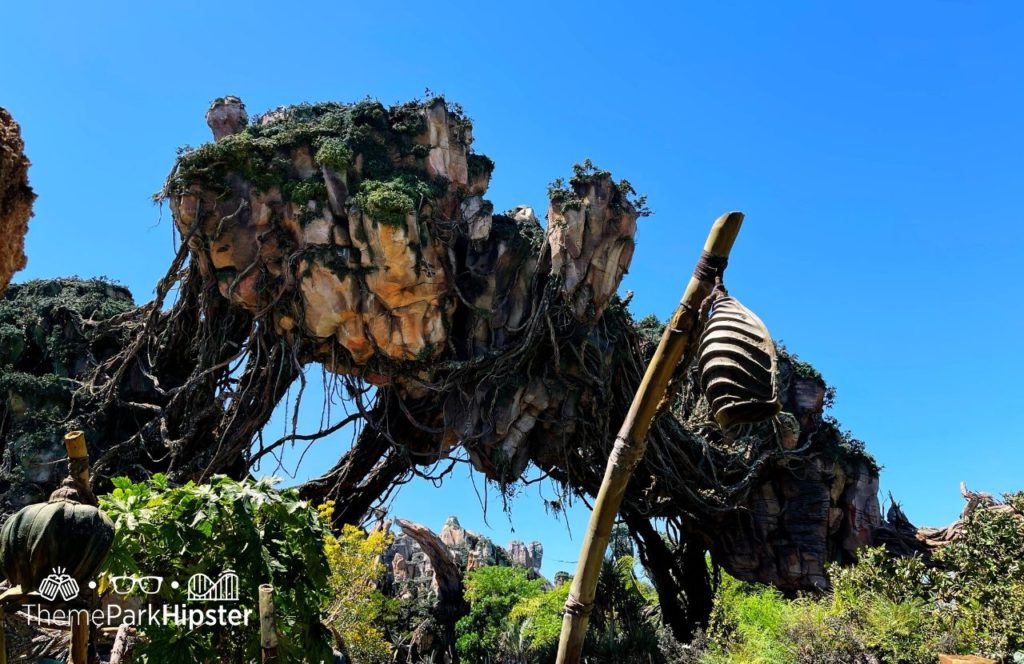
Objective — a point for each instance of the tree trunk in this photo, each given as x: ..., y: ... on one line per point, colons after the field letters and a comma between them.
x: 124, y: 645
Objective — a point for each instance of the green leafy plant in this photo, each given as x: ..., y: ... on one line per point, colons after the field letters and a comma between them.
x: 968, y: 599
x: 389, y: 201
x: 513, y: 619
x: 984, y: 577
x: 492, y: 593
x: 539, y: 621
x: 358, y: 610
x: 262, y: 534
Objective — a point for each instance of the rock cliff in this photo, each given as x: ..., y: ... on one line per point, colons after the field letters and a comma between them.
x: 815, y: 503
x: 50, y: 340
x: 426, y: 571
x: 412, y: 565
x: 16, y: 199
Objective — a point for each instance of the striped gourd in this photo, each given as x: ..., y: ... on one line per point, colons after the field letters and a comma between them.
x: 737, y: 366
x: 61, y: 534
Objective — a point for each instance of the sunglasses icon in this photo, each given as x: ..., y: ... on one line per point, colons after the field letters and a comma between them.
x: 149, y: 585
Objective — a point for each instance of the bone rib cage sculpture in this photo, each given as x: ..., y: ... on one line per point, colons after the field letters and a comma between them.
x: 738, y: 366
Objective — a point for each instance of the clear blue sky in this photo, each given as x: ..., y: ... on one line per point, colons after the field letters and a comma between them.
x: 876, y: 147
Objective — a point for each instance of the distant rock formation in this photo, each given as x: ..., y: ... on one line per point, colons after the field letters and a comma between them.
x: 16, y: 198
x: 426, y: 571
x: 412, y: 564
x: 525, y: 555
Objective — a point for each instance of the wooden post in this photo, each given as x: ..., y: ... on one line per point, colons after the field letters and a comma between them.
x: 3, y: 635
x: 631, y: 441
x: 78, y: 462
x: 80, y: 637
x: 78, y: 455
x: 268, y: 624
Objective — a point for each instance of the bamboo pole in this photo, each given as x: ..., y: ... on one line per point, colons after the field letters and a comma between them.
x: 268, y: 624
x: 78, y: 457
x: 631, y: 441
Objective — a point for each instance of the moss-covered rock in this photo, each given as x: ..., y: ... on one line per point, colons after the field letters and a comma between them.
x: 51, y: 341
x: 361, y: 234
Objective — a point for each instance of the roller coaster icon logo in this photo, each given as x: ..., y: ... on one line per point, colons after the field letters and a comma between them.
x: 202, y: 588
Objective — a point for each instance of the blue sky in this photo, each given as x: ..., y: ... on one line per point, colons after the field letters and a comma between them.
x: 876, y: 148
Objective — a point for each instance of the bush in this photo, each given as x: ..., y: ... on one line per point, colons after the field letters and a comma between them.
x: 748, y: 624
x: 539, y: 618
x: 968, y: 600
x: 984, y: 582
x: 358, y: 610
x: 263, y: 535
x: 513, y: 619
x: 492, y: 593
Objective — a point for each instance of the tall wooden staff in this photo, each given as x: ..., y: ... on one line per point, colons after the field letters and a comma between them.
x: 3, y: 635
x: 631, y: 441
x: 78, y: 459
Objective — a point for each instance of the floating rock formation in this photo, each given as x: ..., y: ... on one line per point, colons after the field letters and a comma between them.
x: 16, y: 199
x: 358, y: 236
x: 360, y: 233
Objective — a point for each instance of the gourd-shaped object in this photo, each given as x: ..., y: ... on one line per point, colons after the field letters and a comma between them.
x: 737, y: 365
x: 68, y: 533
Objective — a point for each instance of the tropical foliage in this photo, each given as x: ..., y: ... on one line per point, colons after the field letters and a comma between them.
x: 514, y: 619
x: 263, y: 535
x: 358, y: 611
x: 968, y: 600
x: 492, y: 593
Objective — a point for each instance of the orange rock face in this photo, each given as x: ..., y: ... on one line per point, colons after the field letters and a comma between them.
x: 345, y: 225
x: 16, y: 199
x: 361, y: 288
x: 591, y: 243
